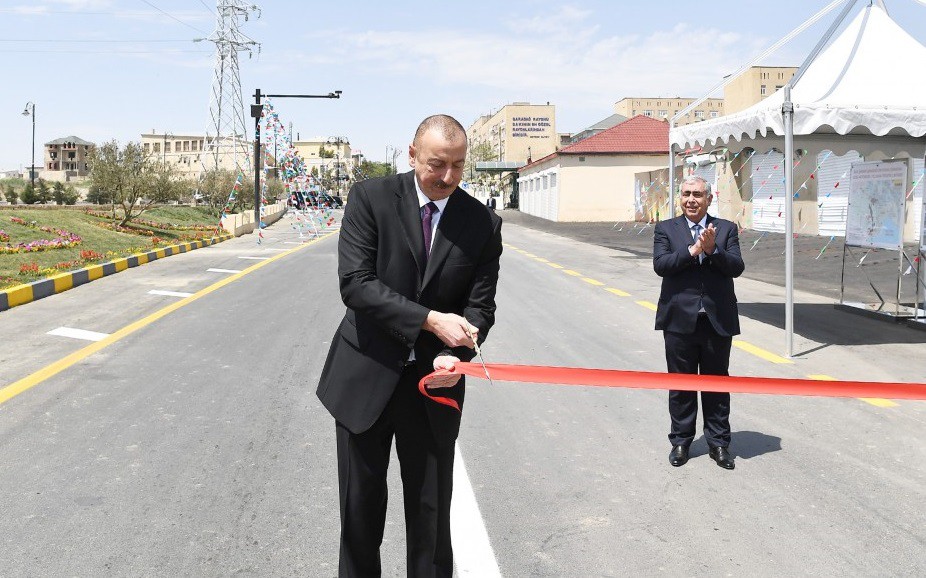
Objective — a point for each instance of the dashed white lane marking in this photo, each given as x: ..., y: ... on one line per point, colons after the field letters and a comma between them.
x: 472, y: 552
x: 169, y: 293
x: 223, y: 270
x: 253, y: 258
x: 78, y: 334
x: 277, y: 249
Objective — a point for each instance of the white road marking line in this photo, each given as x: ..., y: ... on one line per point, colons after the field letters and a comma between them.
x: 223, y: 270
x: 253, y: 258
x: 277, y: 249
x: 472, y: 552
x: 169, y: 293
x: 78, y: 334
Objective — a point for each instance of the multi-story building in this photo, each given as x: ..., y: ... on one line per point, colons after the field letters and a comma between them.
x: 663, y: 108
x: 66, y: 159
x: 329, y: 156
x: 181, y: 151
x: 516, y: 132
x: 501, y: 142
x: 754, y: 85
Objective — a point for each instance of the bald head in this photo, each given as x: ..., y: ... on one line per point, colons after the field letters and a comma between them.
x: 448, y: 127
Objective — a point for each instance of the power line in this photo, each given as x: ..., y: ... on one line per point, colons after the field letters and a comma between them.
x: 63, y: 41
x: 172, y: 17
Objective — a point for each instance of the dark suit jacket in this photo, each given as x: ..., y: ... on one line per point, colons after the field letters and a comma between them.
x: 389, y: 292
x: 686, y: 283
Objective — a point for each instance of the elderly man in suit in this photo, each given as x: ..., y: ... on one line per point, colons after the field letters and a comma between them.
x: 418, y: 262
x: 698, y: 256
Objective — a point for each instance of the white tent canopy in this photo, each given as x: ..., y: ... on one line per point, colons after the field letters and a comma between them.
x: 864, y: 90
x: 868, y: 81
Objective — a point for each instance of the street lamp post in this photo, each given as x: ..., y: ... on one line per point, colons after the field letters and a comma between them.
x: 31, y: 112
x: 337, y: 142
x: 164, y: 149
x: 256, y: 109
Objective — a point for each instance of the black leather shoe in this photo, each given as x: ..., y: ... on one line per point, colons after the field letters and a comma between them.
x: 678, y: 456
x: 723, y: 458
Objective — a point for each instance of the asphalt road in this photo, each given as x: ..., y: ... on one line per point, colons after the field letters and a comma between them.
x: 191, y: 443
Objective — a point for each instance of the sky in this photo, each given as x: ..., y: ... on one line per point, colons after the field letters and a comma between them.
x: 113, y: 69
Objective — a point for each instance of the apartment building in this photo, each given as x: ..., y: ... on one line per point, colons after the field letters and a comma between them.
x: 663, y: 108
x: 754, y: 85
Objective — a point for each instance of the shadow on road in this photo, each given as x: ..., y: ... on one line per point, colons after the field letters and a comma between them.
x: 746, y: 445
x: 823, y: 323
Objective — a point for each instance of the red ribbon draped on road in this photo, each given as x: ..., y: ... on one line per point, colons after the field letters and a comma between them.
x: 676, y: 381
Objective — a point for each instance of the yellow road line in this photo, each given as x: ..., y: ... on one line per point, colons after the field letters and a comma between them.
x: 591, y: 281
x: 30, y: 381
x: 648, y: 305
x: 875, y: 401
x: 617, y: 292
x: 759, y: 352
x: 573, y: 273
x: 541, y: 259
x: 555, y: 266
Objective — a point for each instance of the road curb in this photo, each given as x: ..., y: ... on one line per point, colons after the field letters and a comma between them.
x: 22, y: 294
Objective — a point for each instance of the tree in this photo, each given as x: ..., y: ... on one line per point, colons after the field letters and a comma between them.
x: 11, y: 195
x: 135, y: 181
x: 98, y: 196
x: 70, y: 195
x: 216, y: 186
x: 373, y: 169
x: 57, y: 192
x: 43, y: 191
x: 324, y: 153
x: 29, y: 197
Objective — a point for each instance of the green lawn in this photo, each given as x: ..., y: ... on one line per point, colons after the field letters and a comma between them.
x: 157, y: 227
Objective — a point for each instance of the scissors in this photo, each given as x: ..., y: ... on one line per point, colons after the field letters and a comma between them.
x: 479, y: 353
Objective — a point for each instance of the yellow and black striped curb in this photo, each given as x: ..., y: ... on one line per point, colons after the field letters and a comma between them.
x: 22, y: 294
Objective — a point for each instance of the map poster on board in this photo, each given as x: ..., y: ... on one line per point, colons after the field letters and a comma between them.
x: 875, y: 217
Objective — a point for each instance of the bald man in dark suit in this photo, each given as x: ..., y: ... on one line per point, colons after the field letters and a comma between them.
x: 418, y: 262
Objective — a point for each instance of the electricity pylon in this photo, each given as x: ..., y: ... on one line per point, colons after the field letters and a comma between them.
x: 227, y: 143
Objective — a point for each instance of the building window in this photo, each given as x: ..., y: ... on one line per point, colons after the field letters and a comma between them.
x: 146, y: 149
x: 699, y: 114
x: 714, y: 114
x: 648, y: 113
x: 663, y: 113
x: 553, y: 180
x: 762, y: 90
x: 167, y: 147
x: 186, y: 146
x: 778, y: 86
x: 546, y: 182
x: 156, y: 147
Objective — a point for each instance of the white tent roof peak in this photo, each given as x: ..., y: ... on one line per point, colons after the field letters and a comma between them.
x: 865, y: 81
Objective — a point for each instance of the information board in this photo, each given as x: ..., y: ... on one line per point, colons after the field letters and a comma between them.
x: 875, y: 216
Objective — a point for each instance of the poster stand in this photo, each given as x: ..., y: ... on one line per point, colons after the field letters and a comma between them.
x: 919, y: 312
x: 875, y: 220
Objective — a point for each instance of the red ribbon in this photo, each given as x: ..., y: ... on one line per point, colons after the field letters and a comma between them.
x: 676, y: 381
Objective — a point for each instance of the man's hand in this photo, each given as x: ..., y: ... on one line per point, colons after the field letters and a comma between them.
x: 452, y: 329
x: 444, y: 362
x: 707, y: 239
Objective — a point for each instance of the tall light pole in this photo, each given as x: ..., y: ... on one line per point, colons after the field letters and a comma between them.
x: 256, y: 110
x: 337, y: 142
x: 164, y: 149
x: 31, y: 112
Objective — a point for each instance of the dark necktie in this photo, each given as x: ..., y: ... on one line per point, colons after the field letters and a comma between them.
x: 695, y: 231
x: 427, y: 212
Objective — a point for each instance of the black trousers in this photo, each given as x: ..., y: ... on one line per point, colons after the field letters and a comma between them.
x: 703, y: 352
x: 427, y: 482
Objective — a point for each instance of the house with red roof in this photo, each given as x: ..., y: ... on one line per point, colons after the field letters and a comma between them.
x: 594, y: 179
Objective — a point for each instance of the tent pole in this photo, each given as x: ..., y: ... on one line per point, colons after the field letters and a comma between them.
x: 787, y: 110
